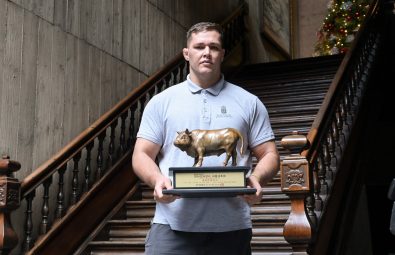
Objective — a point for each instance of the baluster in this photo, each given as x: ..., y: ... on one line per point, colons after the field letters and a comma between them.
x: 342, y: 125
x: 351, y: 92
x: 140, y: 110
x: 322, y: 175
x: 132, y: 128
x: 161, y: 85
x: 359, y: 83
x: 344, y: 115
x: 327, y: 164
x: 122, y: 139
x: 28, y: 240
x: 75, y: 181
x: 168, y: 82
x: 332, y: 144
x: 175, y: 75
x: 60, y: 197
x: 111, y: 146
x: 310, y: 207
x: 44, y: 226
x: 355, y: 87
x: 317, y: 187
x: 340, y: 138
x: 184, y: 68
x: 99, y: 159
x: 151, y: 93
x: 180, y: 75
x: 87, y: 172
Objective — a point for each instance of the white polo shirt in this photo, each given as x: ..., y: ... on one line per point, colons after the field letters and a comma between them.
x: 188, y: 106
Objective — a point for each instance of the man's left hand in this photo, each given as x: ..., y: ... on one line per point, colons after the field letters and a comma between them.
x: 257, y: 197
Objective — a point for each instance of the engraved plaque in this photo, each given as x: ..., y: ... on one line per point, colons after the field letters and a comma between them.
x: 209, y: 181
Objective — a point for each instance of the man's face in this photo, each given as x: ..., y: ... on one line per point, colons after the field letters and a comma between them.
x: 205, y: 54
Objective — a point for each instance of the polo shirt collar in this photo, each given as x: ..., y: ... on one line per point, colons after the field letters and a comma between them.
x: 214, y: 90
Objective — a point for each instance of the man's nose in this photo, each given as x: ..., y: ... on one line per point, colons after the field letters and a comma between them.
x: 206, y: 51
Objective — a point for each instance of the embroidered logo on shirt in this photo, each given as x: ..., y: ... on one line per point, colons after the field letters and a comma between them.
x: 224, y: 113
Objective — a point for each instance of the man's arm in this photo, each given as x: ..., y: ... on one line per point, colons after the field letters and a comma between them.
x: 144, y: 166
x: 266, y: 168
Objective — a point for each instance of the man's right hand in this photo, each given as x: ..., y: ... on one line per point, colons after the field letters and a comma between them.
x: 160, y: 184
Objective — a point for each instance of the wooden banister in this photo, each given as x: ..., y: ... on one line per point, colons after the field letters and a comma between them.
x: 340, y: 78
x: 329, y: 139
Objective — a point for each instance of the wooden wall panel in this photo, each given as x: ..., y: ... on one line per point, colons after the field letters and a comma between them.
x: 106, y: 26
x: 60, y: 13
x: 58, y: 63
x: 117, y: 28
x: 42, y: 127
x: 84, y: 16
x: 73, y: 16
x: 81, y: 93
x: 3, y: 34
x: 93, y: 22
x: 28, y: 91
x: 131, y: 33
x: 151, y: 52
x: 10, y: 104
x: 70, y: 87
x: 107, y: 85
x: 94, y: 83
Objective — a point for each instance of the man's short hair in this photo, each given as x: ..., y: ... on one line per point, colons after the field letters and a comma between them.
x: 204, y: 26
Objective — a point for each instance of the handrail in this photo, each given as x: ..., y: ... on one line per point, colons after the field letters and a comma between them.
x: 120, y: 139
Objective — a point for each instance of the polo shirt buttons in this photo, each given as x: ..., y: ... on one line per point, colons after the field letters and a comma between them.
x: 205, y: 111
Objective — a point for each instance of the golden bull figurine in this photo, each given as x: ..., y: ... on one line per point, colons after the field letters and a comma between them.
x: 200, y: 143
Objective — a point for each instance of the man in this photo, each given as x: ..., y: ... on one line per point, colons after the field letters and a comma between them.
x: 203, y: 101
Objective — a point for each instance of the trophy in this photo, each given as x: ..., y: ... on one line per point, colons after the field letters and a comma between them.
x: 218, y: 181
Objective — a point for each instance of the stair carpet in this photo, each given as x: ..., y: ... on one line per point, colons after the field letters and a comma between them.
x: 292, y: 92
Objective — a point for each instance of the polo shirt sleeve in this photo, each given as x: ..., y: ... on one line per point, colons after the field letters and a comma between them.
x: 151, y: 126
x: 260, y: 127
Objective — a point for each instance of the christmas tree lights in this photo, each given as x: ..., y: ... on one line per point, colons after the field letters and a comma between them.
x: 340, y: 26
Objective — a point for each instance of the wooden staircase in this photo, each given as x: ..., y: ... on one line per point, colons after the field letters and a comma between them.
x: 292, y: 92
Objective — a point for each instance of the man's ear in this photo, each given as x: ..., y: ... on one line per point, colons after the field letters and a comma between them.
x: 185, y: 53
x: 223, y: 55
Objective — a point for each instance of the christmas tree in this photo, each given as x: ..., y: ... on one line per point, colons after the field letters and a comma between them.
x: 340, y: 26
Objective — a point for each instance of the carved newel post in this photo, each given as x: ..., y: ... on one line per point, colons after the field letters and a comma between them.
x: 295, y: 183
x: 9, y: 201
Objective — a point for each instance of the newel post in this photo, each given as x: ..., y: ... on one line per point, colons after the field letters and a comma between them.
x: 295, y: 182
x: 10, y: 189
